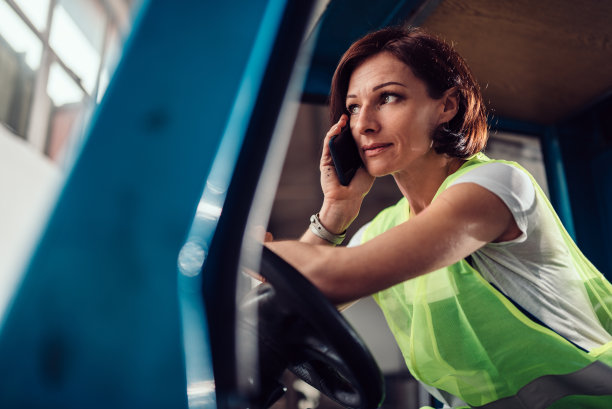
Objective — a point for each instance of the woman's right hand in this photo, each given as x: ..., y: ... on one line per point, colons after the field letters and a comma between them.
x: 341, y: 204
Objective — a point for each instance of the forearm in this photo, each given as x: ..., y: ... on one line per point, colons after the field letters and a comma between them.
x: 462, y: 220
x: 323, y: 266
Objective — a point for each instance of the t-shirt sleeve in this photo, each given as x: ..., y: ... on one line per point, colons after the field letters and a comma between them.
x: 358, y: 236
x: 512, y: 185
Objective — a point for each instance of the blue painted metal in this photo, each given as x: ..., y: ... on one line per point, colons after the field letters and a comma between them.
x: 586, y: 144
x: 219, y: 275
x: 557, y: 182
x: 96, y: 322
x: 602, y: 180
x: 192, y: 257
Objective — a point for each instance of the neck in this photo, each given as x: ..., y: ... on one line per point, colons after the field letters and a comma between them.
x: 420, y: 183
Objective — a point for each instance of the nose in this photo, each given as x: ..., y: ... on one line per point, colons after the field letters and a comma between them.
x: 367, y: 121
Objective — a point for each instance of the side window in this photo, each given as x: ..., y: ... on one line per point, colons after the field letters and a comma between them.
x: 56, y: 58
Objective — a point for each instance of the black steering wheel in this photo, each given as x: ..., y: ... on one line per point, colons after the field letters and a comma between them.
x: 300, y: 330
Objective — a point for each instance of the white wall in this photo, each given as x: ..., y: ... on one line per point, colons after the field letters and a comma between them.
x: 28, y: 186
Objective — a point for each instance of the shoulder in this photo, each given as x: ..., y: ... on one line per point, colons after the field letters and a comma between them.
x: 502, y: 179
x: 512, y: 184
x: 500, y: 172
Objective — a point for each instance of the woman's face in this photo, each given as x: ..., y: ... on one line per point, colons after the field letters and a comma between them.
x: 392, y: 117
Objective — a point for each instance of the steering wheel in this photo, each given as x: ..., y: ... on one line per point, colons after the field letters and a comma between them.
x: 300, y: 330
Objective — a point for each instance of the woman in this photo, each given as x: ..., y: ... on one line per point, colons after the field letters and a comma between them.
x: 488, y: 298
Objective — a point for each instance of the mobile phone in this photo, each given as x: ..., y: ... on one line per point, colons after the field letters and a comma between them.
x: 345, y: 155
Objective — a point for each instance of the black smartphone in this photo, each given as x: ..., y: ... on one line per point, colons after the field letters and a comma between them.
x: 345, y: 154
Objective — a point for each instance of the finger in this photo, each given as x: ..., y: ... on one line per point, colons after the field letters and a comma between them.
x: 337, y: 127
x: 260, y: 234
x: 253, y: 274
x: 334, y: 130
x: 268, y: 237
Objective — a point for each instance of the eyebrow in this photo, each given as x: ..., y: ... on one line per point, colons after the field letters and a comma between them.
x: 385, y: 84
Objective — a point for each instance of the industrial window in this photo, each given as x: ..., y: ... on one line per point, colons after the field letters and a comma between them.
x: 56, y: 59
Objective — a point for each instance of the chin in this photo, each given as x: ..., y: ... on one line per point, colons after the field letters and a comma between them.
x: 378, y: 171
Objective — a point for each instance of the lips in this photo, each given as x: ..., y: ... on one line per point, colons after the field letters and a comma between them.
x: 375, y: 148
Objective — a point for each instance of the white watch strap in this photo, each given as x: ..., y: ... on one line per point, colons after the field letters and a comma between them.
x: 320, y: 231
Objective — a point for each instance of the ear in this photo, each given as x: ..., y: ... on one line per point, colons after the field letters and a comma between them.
x: 450, y: 105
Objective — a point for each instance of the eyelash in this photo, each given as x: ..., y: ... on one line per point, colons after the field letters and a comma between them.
x: 350, y: 109
x: 385, y: 95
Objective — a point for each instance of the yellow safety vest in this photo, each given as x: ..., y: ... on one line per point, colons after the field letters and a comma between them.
x: 459, y: 334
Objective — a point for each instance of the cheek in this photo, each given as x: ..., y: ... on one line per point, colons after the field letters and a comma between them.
x: 425, y: 124
x: 416, y: 133
x: 420, y: 145
x: 427, y: 118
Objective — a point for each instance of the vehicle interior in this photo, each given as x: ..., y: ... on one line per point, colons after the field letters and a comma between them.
x: 132, y: 286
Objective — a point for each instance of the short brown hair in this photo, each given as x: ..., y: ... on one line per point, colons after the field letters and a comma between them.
x: 435, y: 63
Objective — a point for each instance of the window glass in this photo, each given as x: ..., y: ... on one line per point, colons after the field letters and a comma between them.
x: 61, y: 87
x: 113, y: 50
x: 47, y: 87
x: 19, y: 37
x: 66, y: 112
x: 20, y: 53
x: 36, y: 11
x: 77, y: 47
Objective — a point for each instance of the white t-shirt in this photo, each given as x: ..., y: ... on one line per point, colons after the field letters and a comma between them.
x: 535, y: 269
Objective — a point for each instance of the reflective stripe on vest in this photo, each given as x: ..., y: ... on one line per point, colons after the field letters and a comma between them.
x: 459, y: 334
x: 593, y: 380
